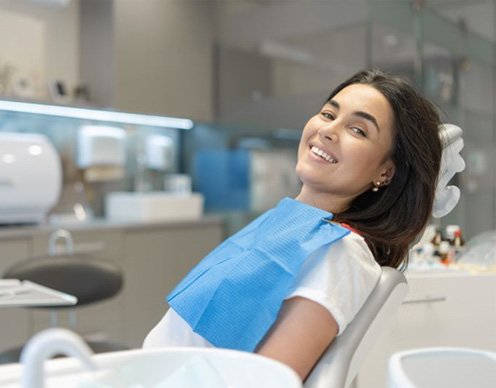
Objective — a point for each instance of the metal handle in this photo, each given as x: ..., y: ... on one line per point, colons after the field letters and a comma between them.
x: 64, y: 235
x: 426, y: 300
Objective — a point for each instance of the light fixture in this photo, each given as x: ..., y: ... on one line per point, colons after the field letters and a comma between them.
x: 94, y: 114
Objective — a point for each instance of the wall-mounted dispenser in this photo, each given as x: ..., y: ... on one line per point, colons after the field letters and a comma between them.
x: 159, y: 152
x: 101, y: 152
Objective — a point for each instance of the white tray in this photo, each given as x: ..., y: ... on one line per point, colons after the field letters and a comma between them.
x: 16, y: 293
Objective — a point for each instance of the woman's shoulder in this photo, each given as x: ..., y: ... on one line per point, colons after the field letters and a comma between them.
x: 349, y: 257
x: 340, y: 277
x: 354, y: 250
x: 346, y: 263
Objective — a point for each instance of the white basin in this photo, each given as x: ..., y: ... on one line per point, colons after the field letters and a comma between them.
x: 161, y: 368
x: 153, y: 206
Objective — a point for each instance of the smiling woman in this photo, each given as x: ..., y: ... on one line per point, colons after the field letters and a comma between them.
x: 346, y: 136
x: 395, y: 211
x: 290, y: 282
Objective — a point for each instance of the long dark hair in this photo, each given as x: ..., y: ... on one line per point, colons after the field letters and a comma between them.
x: 393, y: 217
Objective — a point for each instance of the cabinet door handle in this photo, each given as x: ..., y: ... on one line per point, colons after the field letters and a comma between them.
x: 426, y: 300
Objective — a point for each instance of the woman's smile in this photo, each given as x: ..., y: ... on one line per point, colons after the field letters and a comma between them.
x: 323, y: 155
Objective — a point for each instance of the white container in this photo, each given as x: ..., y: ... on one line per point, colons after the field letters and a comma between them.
x: 159, y: 152
x: 179, y: 184
x: 437, y: 367
x: 167, y: 368
x: 153, y: 206
x: 30, y: 177
x: 100, y: 145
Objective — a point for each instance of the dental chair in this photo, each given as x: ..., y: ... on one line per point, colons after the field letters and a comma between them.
x: 340, y: 363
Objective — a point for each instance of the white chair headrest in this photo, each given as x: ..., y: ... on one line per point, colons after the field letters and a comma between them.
x: 451, y: 162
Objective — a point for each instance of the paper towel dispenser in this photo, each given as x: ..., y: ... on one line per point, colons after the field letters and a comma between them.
x: 101, y: 152
x: 30, y: 177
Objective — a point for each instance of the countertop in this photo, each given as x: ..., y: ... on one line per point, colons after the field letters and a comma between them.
x: 18, y: 231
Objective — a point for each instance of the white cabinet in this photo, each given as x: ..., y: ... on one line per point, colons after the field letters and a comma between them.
x: 439, y: 310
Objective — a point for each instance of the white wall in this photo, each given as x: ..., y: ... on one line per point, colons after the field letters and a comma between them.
x: 41, y: 42
x: 163, y: 57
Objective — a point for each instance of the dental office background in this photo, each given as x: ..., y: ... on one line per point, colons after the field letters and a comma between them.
x: 248, y: 73
x: 245, y: 75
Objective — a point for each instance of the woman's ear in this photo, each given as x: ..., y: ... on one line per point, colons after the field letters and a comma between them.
x: 387, y: 172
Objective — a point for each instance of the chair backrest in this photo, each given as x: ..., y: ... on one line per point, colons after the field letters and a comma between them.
x: 442, y: 367
x: 88, y: 278
x: 340, y: 363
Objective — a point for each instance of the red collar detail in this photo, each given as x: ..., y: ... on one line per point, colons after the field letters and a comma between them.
x: 350, y: 228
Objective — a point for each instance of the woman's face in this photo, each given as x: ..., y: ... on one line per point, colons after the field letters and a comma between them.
x: 345, y: 148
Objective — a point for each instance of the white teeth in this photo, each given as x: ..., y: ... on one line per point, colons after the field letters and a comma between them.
x: 323, y: 155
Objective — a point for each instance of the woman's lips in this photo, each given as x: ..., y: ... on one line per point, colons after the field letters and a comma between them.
x: 323, y: 154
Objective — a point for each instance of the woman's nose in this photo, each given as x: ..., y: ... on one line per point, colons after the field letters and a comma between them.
x: 329, y: 132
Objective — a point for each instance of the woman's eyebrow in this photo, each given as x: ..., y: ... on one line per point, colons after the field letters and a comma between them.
x: 364, y: 115
x: 369, y: 117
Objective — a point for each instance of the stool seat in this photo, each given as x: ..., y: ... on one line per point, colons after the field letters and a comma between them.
x: 89, y: 278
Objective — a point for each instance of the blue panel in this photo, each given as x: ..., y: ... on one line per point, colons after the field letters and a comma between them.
x: 223, y: 178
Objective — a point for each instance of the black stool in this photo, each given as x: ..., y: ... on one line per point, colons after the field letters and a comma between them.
x: 88, y: 278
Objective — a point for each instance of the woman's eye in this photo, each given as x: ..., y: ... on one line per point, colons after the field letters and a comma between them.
x: 359, y: 131
x: 328, y: 115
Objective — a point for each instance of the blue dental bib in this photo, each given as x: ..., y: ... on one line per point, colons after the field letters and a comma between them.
x: 232, y: 297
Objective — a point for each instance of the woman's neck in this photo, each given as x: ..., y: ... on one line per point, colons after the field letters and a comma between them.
x: 324, y: 201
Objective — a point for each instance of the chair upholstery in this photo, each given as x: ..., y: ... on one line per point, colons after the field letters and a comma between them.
x: 340, y: 363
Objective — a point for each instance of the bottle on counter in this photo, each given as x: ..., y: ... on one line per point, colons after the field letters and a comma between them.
x: 436, y: 242
x: 445, y: 255
x: 457, y: 244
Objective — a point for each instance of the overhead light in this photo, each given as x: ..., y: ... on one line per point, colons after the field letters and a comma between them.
x: 94, y: 114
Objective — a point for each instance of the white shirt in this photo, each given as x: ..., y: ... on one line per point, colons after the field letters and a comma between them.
x: 339, y: 277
